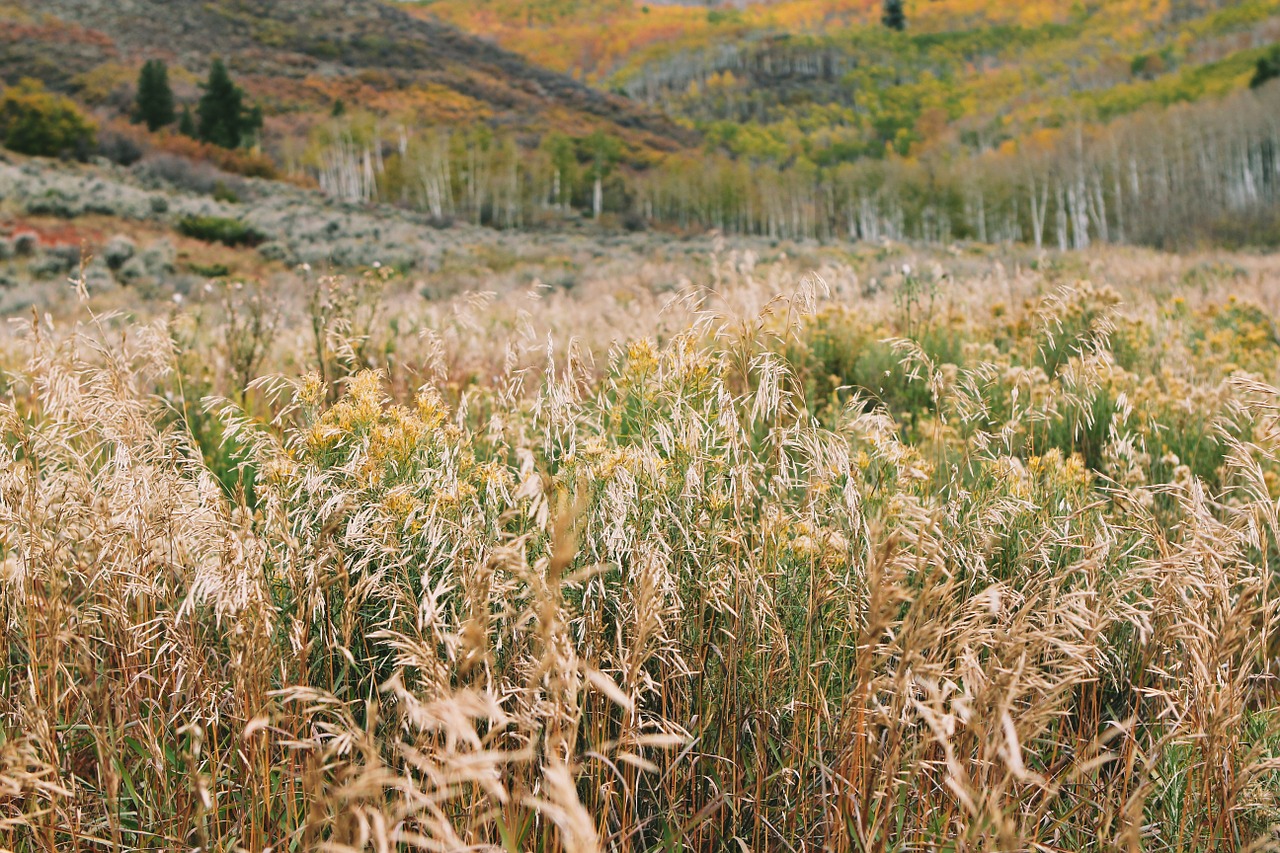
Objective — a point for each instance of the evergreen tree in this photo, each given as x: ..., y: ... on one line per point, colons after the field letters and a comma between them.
x: 186, y: 124
x: 894, y: 16
x: 1268, y: 68
x: 221, y: 109
x: 154, y: 105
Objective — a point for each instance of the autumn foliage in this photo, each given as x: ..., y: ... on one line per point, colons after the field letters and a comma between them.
x: 36, y: 122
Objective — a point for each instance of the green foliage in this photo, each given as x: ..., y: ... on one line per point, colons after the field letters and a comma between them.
x: 210, y: 270
x: 965, y: 81
x: 718, y: 17
x: 187, y: 124
x: 559, y: 149
x: 39, y: 123
x: 223, y: 118
x: 600, y: 152
x: 1268, y: 68
x: 154, y: 101
x: 222, y: 192
x: 1188, y: 84
x: 1149, y: 65
x: 219, y: 229
x: 893, y: 15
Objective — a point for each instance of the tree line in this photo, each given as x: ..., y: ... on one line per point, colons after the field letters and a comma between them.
x: 1192, y: 172
x: 1197, y: 172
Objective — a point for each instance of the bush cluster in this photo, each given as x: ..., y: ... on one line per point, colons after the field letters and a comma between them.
x: 42, y: 124
x: 220, y: 229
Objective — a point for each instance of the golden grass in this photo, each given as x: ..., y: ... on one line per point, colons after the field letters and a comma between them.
x: 974, y: 560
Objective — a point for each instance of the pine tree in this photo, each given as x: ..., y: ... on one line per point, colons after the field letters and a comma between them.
x: 221, y: 109
x: 154, y: 104
x: 1268, y: 68
x: 894, y: 16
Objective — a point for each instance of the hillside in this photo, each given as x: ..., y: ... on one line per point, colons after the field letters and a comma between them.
x: 824, y: 80
x: 298, y: 58
x: 1039, y: 122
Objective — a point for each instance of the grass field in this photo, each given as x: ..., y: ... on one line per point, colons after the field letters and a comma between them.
x: 970, y: 550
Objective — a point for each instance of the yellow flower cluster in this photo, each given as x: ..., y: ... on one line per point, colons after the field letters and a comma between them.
x: 393, y: 434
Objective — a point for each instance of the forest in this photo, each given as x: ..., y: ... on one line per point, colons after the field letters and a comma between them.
x: 864, y: 134
x: 1191, y: 173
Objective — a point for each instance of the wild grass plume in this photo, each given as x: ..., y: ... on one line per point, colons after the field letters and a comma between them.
x: 964, y: 557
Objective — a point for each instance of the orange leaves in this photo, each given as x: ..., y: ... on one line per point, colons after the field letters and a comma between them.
x: 240, y: 161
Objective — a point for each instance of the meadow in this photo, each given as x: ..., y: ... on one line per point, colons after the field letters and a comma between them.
x: 768, y: 548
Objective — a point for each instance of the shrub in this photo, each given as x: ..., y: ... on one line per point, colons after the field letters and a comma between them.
x: 210, y: 270
x: 120, y: 148
x: 25, y: 244
x: 276, y: 250
x: 97, y: 277
x: 118, y: 250
x: 55, y: 202
x: 238, y: 162
x: 42, y: 124
x: 220, y: 229
x: 179, y: 172
x: 55, y: 262
x: 223, y: 192
x: 158, y: 258
x: 132, y: 271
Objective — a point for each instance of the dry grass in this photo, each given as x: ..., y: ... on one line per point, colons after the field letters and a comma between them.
x: 978, y: 561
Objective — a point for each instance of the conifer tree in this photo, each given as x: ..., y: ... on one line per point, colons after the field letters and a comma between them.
x: 154, y: 103
x: 894, y: 16
x: 221, y: 109
x: 1268, y: 68
x: 186, y: 124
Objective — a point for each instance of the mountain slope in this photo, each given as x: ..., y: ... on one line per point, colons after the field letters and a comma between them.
x: 823, y: 80
x: 298, y: 55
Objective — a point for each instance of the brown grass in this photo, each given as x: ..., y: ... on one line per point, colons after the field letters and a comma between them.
x: 717, y: 585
